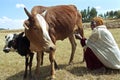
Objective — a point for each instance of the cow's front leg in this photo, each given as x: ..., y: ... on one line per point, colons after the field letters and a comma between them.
x: 37, y: 71
x: 42, y: 56
x: 30, y: 64
x: 26, y: 68
x: 52, y: 58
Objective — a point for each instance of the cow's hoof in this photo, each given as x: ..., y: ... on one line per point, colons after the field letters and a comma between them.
x: 25, y: 78
x: 52, y: 77
x: 70, y: 63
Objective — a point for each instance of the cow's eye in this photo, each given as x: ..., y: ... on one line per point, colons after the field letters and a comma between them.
x: 35, y: 28
x: 5, y: 36
x: 10, y: 44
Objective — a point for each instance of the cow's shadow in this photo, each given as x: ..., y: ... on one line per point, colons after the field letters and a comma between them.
x: 44, y: 73
x: 78, y: 71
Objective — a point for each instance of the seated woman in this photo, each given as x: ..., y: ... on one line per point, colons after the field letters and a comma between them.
x: 101, y: 48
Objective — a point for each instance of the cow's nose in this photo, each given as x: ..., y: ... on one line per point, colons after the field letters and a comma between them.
x: 5, y: 50
x: 53, y: 48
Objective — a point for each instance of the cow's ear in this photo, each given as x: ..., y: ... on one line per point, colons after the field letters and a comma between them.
x: 26, y: 24
x: 5, y: 36
x: 14, y: 36
x: 26, y: 27
x: 21, y: 34
x: 28, y: 13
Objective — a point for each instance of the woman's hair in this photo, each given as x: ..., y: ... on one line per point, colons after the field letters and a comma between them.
x: 98, y: 21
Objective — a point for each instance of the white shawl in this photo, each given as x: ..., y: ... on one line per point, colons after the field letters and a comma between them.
x: 102, y: 43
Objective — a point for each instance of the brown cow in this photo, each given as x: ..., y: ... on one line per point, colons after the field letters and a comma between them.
x: 46, y: 25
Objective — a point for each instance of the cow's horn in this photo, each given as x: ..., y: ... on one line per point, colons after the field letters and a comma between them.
x: 26, y: 11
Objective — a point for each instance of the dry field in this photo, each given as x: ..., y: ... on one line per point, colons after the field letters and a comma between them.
x: 12, y: 64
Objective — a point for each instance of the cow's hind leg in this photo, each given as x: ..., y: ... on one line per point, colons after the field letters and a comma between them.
x: 73, y: 44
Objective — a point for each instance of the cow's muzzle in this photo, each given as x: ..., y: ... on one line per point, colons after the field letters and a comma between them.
x: 50, y: 48
x: 6, y: 50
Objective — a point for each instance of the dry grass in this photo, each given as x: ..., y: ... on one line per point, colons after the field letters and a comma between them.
x: 12, y: 64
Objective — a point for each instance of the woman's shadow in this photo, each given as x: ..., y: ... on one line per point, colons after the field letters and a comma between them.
x: 80, y: 71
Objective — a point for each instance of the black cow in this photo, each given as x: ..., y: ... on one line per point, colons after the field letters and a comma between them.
x: 20, y: 43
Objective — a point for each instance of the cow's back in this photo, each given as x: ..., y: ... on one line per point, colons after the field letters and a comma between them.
x: 38, y: 10
x: 62, y: 19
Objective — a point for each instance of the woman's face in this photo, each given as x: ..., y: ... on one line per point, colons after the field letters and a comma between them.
x: 93, y: 24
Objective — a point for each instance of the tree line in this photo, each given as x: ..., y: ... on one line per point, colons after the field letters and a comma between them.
x: 89, y: 13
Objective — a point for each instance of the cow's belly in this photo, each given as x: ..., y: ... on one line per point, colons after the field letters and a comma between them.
x: 62, y: 36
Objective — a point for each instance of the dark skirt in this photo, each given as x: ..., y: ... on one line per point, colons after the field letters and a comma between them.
x: 92, y: 62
